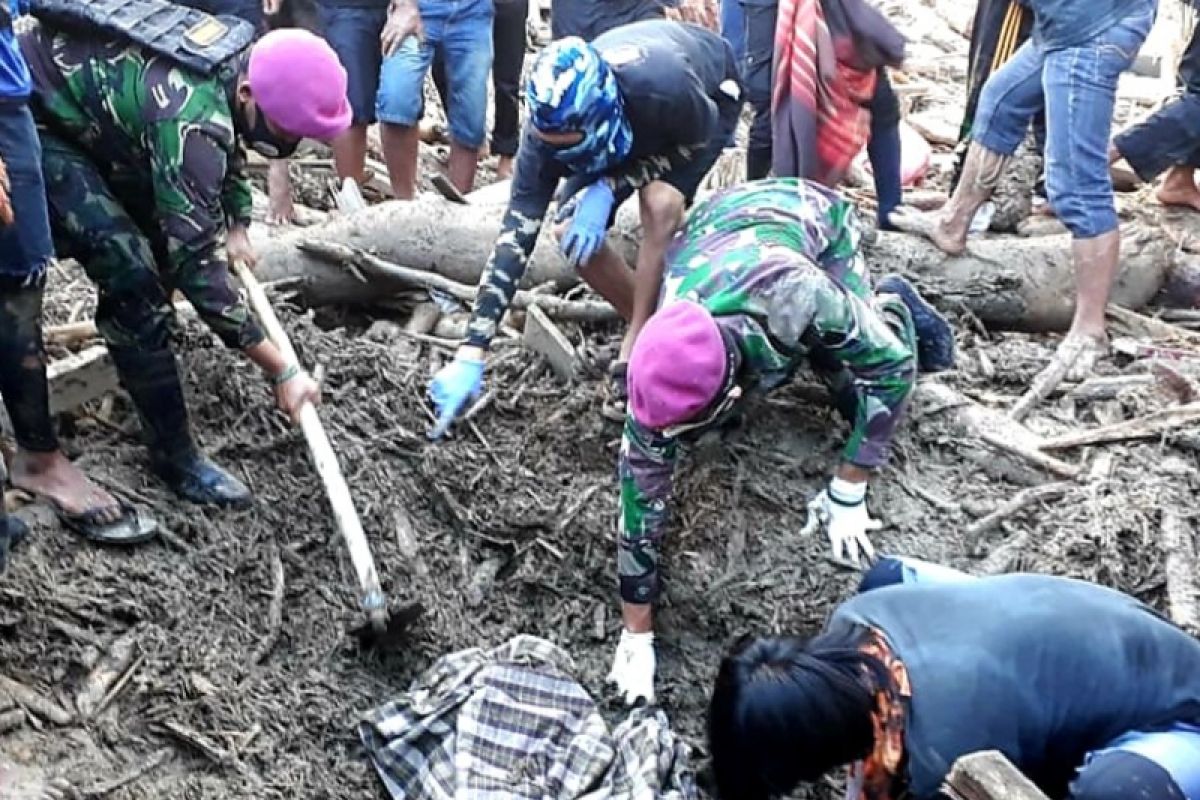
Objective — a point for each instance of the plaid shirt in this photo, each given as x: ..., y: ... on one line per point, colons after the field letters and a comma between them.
x: 511, y: 723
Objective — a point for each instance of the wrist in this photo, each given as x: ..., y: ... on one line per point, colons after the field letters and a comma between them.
x: 844, y: 492
x: 470, y: 352
x: 286, y: 374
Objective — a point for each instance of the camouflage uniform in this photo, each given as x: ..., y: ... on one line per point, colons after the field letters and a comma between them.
x: 777, y: 263
x: 142, y: 171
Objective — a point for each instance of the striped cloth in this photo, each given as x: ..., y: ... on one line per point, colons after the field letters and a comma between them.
x: 824, y: 74
x: 512, y: 724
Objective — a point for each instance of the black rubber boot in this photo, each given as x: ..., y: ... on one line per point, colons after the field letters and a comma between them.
x: 152, y: 380
x: 935, y: 337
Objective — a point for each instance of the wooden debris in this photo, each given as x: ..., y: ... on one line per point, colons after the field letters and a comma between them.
x: 35, y: 702
x: 1154, y: 424
x: 98, y: 688
x: 1181, y: 388
x: 1004, y: 556
x: 554, y: 306
x: 543, y: 336
x: 424, y: 317
x: 1018, y: 502
x: 11, y: 720
x: 80, y: 378
x: 198, y: 741
x: 934, y: 128
x: 274, y: 611
x: 992, y: 427
x: 141, y: 769
x: 988, y: 776
x: 1183, y: 593
x: 1149, y: 327
x: 1048, y: 380
x: 446, y: 189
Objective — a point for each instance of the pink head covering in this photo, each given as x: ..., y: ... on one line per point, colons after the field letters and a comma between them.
x: 299, y: 84
x: 677, y: 365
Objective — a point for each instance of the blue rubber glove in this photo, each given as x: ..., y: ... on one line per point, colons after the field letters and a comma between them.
x: 589, y: 222
x: 455, y: 385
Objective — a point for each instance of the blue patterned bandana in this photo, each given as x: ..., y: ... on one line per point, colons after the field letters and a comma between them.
x: 572, y: 89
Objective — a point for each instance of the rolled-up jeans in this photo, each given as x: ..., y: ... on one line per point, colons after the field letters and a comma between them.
x: 1078, y: 86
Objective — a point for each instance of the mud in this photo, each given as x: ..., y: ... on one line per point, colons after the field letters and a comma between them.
x: 514, y: 524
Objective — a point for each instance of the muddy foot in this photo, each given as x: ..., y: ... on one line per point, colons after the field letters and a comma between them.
x: 1081, y: 352
x: 929, y: 226
x: 27, y: 783
x: 1179, y: 195
x: 51, y: 475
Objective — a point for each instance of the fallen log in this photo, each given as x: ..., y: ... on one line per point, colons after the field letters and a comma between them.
x: 1007, y: 283
x: 1149, y: 426
x: 1183, y: 594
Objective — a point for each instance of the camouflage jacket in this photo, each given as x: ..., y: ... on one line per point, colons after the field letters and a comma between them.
x: 149, y: 124
x: 777, y: 263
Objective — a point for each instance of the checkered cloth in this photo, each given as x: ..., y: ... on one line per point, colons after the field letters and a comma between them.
x: 512, y: 724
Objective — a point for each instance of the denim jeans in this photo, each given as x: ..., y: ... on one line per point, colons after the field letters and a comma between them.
x: 353, y: 33
x: 462, y: 31
x: 25, y: 246
x: 1078, y: 86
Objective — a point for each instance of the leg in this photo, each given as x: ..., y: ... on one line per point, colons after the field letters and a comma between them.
x: 661, y: 206
x: 1120, y: 774
x: 756, y: 74
x: 1009, y: 101
x: 1164, y: 139
x: 398, y: 107
x: 353, y: 33
x: 1179, y: 188
x: 134, y: 315
x: 508, y: 44
x: 883, y: 149
x: 468, y: 51
x: 1081, y: 85
x: 610, y: 277
x: 25, y: 251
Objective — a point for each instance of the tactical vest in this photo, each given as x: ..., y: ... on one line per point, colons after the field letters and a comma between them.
x: 191, y: 38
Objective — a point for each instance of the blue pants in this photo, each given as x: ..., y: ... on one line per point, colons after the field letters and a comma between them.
x: 1078, y: 86
x: 1164, y: 765
x: 353, y: 33
x: 462, y: 31
x: 1170, y: 136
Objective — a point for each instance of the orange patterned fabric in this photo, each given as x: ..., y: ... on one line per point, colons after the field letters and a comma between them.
x: 882, y: 767
x: 705, y: 13
x: 6, y: 210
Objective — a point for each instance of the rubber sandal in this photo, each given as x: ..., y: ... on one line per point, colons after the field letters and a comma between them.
x: 130, y: 529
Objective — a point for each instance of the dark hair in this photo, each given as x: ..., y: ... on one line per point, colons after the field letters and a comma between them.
x: 295, y: 14
x: 787, y: 710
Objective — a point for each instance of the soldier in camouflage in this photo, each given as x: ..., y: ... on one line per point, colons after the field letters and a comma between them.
x: 645, y: 108
x: 144, y: 182
x: 763, y: 276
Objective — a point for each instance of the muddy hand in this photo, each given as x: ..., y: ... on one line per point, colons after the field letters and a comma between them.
x: 238, y: 247
x: 292, y: 394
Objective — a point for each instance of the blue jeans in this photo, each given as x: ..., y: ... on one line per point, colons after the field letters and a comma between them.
x: 462, y: 31
x: 25, y: 246
x: 1078, y: 86
x: 353, y: 33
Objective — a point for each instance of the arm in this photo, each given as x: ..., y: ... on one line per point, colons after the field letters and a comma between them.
x: 236, y: 198
x: 876, y: 375
x: 533, y: 187
x: 646, y: 469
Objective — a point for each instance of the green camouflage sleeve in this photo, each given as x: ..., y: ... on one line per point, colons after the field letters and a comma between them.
x: 189, y: 159
x: 236, y: 197
x: 870, y: 371
x: 646, y: 470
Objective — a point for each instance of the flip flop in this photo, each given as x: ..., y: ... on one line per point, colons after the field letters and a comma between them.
x: 129, y: 529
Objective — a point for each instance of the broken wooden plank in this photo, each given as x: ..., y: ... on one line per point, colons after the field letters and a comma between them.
x: 543, y: 336
x: 989, y: 776
x: 1151, y: 425
x: 80, y: 378
x: 1183, y: 594
x: 1018, y: 502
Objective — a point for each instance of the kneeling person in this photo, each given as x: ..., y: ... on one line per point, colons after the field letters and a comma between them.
x: 763, y: 276
x: 646, y: 107
x: 142, y: 166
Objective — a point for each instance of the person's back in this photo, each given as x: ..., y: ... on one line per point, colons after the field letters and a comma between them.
x: 1044, y: 669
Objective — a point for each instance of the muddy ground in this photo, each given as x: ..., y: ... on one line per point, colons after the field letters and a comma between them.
x: 507, y: 528
x: 512, y: 531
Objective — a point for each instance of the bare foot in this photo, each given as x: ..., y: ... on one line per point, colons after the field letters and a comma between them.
x: 1081, y: 351
x: 931, y: 226
x: 27, y: 783
x: 504, y: 168
x: 52, y: 475
x: 1179, y: 189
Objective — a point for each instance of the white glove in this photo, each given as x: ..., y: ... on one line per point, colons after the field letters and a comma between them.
x: 633, y: 667
x: 842, y: 508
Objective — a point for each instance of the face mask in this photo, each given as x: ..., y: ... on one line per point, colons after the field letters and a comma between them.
x: 264, y: 141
